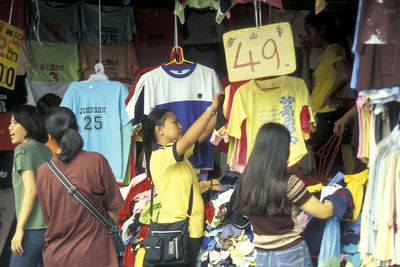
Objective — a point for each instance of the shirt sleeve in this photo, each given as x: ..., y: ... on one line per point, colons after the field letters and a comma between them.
x: 336, y: 54
x: 23, y: 160
x: 238, y: 115
x: 67, y: 100
x: 297, y: 192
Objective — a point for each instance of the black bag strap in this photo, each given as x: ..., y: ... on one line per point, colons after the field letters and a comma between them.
x: 147, y: 157
x: 74, y: 191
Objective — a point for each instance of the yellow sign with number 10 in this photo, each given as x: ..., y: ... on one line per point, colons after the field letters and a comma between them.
x: 259, y: 52
x: 10, y: 47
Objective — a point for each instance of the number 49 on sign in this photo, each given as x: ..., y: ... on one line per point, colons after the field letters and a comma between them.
x: 259, y: 52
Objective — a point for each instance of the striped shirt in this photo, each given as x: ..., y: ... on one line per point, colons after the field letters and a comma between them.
x: 281, y: 231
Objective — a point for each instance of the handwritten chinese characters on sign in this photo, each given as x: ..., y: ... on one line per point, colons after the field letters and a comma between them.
x: 10, y: 47
x: 259, y: 52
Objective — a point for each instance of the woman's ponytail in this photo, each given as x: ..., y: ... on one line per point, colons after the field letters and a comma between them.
x: 62, y: 126
x: 70, y: 143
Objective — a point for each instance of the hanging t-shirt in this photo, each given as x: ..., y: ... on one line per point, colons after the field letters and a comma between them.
x: 18, y: 13
x: 53, y: 62
x: 155, y: 25
x: 202, y: 28
x: 100, y: 112
x: 282, y: 104
x: 325, y: 74
x: 187, y: 91
x: 119, y: 60
x: 38, y: 89
x: 57, y: 22
x: 117, y: 24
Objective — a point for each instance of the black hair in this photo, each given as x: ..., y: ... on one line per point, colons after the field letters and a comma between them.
x: 31, y: 119
x: 62, y: 126
x: 262, y: 187
x: 333, y: 31
x: 156, y: 117
x: 48, y: 101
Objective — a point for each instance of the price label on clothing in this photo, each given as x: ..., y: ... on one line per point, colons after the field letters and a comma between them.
x: 259, y: 52
x: 10, y: 47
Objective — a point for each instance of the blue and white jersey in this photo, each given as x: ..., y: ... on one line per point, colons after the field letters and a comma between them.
x: 99, y: 108
x: 187, y: 91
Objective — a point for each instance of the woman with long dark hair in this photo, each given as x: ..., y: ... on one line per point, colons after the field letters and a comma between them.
x: 27, y: 131
x: 74, y: 237
x: 271, y: 197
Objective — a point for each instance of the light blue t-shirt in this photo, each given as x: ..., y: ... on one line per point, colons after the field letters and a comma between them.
x: 99, y: 108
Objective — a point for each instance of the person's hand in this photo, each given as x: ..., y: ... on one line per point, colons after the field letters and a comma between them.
x: 305, y: 46
x: 217, y: 99
x: 332, y: 101
x: 16, y: 242
x: 340, y: 126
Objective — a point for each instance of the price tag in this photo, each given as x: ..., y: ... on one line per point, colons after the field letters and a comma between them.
x: 10, y: 47
x: 259, y: 52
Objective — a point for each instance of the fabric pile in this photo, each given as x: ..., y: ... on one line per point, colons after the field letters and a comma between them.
x: 228, y: 236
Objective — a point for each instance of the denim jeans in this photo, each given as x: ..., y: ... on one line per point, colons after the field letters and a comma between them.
x: 32, y: 243
x: 298, y: 256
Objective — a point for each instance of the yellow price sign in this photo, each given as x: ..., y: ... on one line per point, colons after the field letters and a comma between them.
x: 259, y: 52
x: 10, y: 47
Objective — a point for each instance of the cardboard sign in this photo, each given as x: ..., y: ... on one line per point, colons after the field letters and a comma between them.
x: 259, y: 52
x: 10, y: 47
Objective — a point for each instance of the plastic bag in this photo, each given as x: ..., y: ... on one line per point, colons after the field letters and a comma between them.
x: 329, y: 255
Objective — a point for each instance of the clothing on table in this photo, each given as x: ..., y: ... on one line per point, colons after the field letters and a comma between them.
x: 100, y: 112
x: 166, y: 166
x: 72, y: 230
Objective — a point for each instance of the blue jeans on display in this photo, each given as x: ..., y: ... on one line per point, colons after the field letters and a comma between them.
x: 298, y: 256
x: 32, y: 244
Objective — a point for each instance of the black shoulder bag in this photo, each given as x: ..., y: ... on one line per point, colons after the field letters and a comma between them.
x: 167, y: 243
x: 109, y: 224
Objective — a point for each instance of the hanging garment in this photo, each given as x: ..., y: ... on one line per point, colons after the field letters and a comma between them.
x: 58, y: 22
x: 282, y: 104
x: 100, y: 112
x: 38, y: 89
x: 119, y: 60
x: 186, y: 90
x: 117, y: 24
x: 53, y: 62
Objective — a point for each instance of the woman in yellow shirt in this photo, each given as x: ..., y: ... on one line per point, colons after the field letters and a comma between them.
x: 172, y: 173
x: 330, y: 74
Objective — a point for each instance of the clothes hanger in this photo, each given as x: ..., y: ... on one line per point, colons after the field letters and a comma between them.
x: 258, y: 20
x: 99, y: 70
x: 177, y: 50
